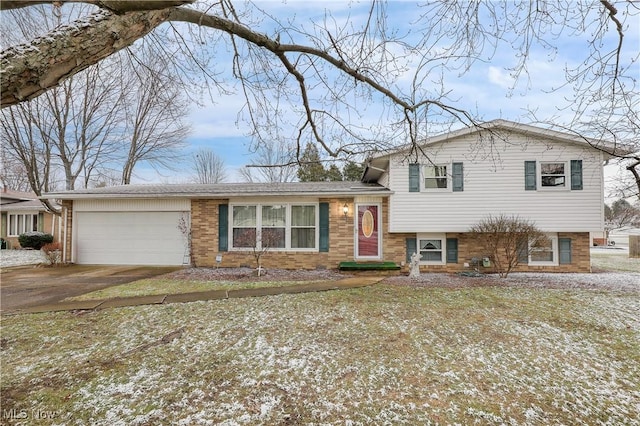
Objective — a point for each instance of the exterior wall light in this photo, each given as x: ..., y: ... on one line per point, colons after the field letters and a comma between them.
x: 345, y: 210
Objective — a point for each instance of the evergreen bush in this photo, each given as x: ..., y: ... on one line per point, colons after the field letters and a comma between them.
x: 34, y: 239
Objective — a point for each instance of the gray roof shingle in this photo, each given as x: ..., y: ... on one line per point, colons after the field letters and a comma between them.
x: 224, y: 190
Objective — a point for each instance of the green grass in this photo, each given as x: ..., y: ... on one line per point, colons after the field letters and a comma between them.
x: 155, y: 286
x: 376, y: 355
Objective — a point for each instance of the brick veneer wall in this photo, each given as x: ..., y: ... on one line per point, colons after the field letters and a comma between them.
x: 67, y: 209
x: 470, y: 247
x: 204, y: 230
x: 204, y: 223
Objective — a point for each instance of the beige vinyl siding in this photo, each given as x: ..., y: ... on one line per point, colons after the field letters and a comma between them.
x: 494, y: 184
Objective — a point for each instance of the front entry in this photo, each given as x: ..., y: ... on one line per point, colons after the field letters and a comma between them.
x: 369, y: 237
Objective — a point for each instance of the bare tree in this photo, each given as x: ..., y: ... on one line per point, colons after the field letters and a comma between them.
x: 621, y: 214
x: 71, y: 127
x: 272, y: 162
x: 315, y: 81
x: 154, y: 111
x: 13, y: 174
x: 208, y: 167
x: 84, y: 124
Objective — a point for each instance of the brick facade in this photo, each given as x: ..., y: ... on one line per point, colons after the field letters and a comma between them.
x: 204, y: 229
x: 470, y: 246
x: 67, y: 227
x: 204, y: 223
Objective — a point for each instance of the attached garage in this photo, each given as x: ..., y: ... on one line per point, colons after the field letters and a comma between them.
x: 130, y: 232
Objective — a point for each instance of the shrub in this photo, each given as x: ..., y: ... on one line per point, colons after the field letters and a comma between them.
x: 53, y: 253
x: 34, y: 240
x: 507, y: 238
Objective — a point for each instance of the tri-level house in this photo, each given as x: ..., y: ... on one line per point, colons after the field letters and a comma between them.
x: 408, y: 200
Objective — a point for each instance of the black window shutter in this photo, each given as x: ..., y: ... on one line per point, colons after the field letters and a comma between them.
x: 457, y: 177
x: 452, y: 250
x: 223, y: 227
x: 324, y: 227
x: 414, y: 177
x: 576, y: 174
x: 530, y: 175
x: 412, y: 247
x: 523, y: 252
x: 564, y: 245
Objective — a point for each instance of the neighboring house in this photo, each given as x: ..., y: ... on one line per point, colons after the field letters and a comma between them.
x: 405, y: 203
x: 23, y: 212
x: 620, y: 236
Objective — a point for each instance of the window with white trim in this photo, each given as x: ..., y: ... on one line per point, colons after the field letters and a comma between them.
x: 544, y: 252
x: 277, y: 226
x: 432, y: 249
x: 553, y: 174
x: 303, y: 227
x: 435, y: 176
x: 244, y: 223
x: 21, y: 223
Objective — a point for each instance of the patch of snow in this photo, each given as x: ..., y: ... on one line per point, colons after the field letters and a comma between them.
x: 9, y: 258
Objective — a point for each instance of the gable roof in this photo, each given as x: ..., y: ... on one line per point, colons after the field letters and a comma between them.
x: 378, y: 163
x: 15, y: 201
x: 8, y: 196
x: 224, y: 190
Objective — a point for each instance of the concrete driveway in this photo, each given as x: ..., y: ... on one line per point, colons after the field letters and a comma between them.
x: 24, y: 287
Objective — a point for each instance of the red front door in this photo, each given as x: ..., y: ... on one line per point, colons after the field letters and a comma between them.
x: 368, y: 238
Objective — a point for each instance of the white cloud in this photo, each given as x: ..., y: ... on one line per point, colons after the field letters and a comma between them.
x: 499, y: 77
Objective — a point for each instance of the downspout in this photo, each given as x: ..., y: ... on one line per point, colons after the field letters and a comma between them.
x: 64, y: 241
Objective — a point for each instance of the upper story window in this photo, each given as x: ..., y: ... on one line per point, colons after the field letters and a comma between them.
x: 277, y: 226
x: 435, y: 177
x: 553, y: 175
x: 21, y: 223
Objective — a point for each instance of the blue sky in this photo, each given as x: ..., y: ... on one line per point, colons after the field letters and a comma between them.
x: 484, y: 90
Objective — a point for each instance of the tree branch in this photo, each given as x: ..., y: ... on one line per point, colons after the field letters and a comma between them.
x: 31, y: 68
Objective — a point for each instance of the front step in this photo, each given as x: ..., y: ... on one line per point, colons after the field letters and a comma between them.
x: 385, y: 267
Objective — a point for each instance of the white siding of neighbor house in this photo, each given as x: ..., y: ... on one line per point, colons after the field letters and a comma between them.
x: 494, y: 184
x: 132, y: 205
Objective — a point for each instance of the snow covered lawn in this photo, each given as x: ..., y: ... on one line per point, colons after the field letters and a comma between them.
x: 388, y: 354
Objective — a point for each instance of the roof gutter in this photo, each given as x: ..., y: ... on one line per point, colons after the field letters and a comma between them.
x: 85, y: 196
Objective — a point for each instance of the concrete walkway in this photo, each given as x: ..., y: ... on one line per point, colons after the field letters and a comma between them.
x: 347, y: 283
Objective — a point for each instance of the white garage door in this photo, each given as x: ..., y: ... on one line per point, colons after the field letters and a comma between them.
x: 129, y: 238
